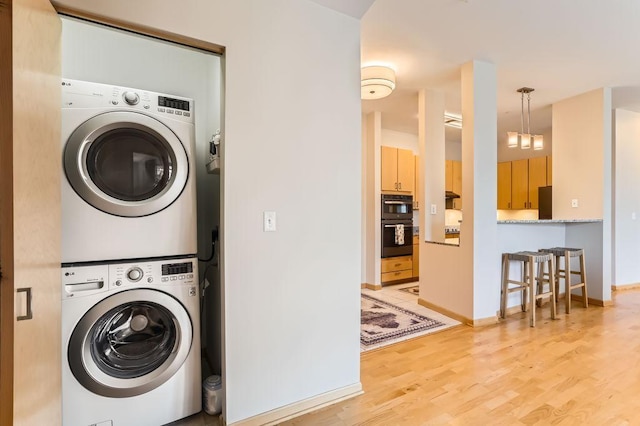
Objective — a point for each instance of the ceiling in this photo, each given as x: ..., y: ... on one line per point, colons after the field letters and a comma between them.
x: 561, y: 48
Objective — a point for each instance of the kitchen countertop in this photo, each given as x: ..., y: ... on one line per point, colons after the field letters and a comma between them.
x: 551, y: 221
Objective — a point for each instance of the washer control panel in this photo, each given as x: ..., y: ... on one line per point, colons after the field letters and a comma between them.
x: 83, y: 94
x: 158, y: 272
x: 87, y: 279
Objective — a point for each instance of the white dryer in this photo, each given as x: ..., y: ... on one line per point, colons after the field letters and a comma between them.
x: 129, y: 189
x: 130, y: 343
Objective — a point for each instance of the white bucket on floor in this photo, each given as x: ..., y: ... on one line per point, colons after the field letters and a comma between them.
x: 212, y: 395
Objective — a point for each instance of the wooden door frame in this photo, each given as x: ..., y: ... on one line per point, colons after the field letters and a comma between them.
x: 7, y: 296
x: 6, y: 208
x: 139, y: 29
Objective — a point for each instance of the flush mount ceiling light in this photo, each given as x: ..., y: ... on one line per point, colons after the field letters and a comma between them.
x: 377, y: 82
x: 525, y: 138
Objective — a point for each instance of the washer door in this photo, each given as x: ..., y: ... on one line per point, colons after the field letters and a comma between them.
x: 130, y: 343
x: 126, y: 163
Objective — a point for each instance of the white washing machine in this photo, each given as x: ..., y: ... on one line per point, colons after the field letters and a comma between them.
x: 130, y: 342
x: 129, y: 158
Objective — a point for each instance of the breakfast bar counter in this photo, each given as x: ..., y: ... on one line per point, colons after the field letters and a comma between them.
x: 533, y: 235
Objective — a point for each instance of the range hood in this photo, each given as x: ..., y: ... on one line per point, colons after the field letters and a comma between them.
x: 448, y: 195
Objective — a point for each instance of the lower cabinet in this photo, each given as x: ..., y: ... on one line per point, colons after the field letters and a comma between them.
x: 416, y: 256
x: 396, y: 268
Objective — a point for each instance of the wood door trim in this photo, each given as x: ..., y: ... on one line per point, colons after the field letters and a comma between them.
x: 139, y: 29
x: 6, y: 212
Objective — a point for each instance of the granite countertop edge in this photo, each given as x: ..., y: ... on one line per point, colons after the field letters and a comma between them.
x: 442, y: 244
x: 551, y: 221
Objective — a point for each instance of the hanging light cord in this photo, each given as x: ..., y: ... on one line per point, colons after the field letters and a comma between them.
x: 528, y: 113
x: 522, y: 113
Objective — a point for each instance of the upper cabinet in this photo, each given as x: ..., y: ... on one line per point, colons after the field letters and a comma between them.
x: 504, y: 185
x: 518, y: 182
x: 453, y: 181
x: 397, y: 174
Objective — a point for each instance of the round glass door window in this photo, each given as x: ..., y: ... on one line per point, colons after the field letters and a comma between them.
x: 126, y: 164
x: 130, y: 343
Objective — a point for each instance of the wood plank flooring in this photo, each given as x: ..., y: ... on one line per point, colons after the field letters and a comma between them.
x: 581, y: 369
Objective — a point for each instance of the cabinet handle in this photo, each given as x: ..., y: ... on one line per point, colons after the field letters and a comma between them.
x: 509, y: 205
x: 29, y: 314
x: 396, y: 185
x: 400, y: 185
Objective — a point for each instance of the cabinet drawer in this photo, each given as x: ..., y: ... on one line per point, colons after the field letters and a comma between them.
x: 397, y: 275
x: 392, y: 264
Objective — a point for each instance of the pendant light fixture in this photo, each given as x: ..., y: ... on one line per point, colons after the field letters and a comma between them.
x: 525, y: 138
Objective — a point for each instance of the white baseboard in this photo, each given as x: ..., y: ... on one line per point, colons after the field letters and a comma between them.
x: 299, y: 408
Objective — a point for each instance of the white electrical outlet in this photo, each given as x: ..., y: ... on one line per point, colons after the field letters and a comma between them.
x: 633, y: 216
x: 434, y: 209
x: 269, y: 221
x: 574, y: 203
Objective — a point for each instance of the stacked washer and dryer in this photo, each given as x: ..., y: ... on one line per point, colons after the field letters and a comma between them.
x: 130, y: 296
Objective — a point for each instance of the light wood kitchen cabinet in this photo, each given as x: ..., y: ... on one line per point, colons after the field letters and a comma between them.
x: 396, y: 268
x: 520, y: 184
x: 417, y: 186
x: 397, y: 170
x: 457, y: 184
x: 504, y: 185
x: 537, y: 178
x: 416, y: 256
x: 453, y: 181
x: 519, y: 180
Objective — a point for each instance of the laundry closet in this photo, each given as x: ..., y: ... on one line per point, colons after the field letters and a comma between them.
x: 144, y: 77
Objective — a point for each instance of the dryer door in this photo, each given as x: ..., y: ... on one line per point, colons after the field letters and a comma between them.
x: 126, y: 163
x: 130, y: 343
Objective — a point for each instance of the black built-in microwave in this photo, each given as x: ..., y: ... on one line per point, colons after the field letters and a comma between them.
x: 397, y: 207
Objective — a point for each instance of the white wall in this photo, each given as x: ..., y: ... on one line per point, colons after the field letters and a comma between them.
x: 97, y: 53
x: 400, y: 140
x: 431, y: 141
x: 292, y: 126
x: 582, y: 170
x: 372, y: 133
x: 627, y: 198
x: 461, y: 279
x: 579, y: 132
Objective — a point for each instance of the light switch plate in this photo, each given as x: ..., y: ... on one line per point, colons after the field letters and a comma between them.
x: 574, y: 202
x: 434, y: 209
x: 269, y: 219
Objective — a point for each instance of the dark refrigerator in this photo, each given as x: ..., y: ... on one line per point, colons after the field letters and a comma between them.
x: 544, y: 202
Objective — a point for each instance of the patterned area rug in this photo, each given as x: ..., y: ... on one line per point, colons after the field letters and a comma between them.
x: 411, y: 290
x: 383, y: 323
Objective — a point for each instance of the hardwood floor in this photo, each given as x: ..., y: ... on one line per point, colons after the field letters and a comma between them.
x: 581, y: 369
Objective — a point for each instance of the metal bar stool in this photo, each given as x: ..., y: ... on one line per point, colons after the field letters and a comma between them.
x: 566, y: 273
x: 527, y: 284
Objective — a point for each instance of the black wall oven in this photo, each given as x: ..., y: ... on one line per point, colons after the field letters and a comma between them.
x: 397, y: 225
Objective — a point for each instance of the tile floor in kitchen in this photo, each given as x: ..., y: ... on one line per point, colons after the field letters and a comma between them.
x: 404, y: 299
